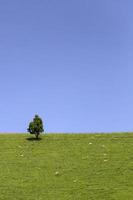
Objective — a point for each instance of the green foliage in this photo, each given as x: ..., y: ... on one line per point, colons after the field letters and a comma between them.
x: 36, y: 126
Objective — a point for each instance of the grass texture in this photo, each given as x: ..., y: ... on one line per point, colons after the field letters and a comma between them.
x: 66, y: 167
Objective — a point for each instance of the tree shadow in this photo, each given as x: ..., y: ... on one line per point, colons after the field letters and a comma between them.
x: 33, y: 139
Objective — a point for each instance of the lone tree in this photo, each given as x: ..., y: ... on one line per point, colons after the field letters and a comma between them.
x: 36, y: 126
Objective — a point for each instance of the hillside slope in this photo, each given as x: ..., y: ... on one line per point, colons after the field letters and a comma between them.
x: 66, y: 167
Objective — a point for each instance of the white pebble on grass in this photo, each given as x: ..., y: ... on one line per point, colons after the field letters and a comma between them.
x: 90, y: 143
x: 56, y: 173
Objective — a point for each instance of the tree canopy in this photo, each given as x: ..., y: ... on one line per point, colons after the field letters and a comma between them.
x: 36, y: 126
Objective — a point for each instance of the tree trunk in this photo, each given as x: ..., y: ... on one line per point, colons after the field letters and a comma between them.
x: 36, y: 134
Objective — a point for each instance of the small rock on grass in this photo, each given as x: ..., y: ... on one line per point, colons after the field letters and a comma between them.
x: 56, y: 173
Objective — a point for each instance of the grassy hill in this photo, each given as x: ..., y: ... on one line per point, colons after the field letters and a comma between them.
x: 66, y: 167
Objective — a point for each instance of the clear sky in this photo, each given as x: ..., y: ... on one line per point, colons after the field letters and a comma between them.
x: 69, y: 61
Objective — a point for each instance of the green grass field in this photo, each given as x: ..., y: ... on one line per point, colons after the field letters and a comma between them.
x: 66, y: 167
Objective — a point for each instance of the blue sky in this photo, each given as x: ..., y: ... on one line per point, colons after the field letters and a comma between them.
x: 68, y: 61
